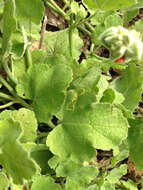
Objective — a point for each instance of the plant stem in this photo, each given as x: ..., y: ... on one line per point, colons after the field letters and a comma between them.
x: 44, y: 134
x: 16, y: 97
x: 59, y: 10
x: 43, y: 30
x: 70, y: 35
x: 6, y: 96
x: 9, y: 73
x: 91, y: 29
x: 7, y: 105
x: 28, y: 57
x: 52, y: 7
x: 22, y: 102
x: 5, y: 83
x: 50, y: 124
x: 84, y: 30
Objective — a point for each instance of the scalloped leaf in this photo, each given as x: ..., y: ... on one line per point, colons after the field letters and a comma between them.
x: 44, y: 183
x: 130, y: 85
x: 27, y: 120
x: 46, y: 87
x: 99, y: 126
x: 13, y: 157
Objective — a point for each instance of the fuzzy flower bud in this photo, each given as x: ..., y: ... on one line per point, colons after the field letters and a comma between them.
x: 122, y: 42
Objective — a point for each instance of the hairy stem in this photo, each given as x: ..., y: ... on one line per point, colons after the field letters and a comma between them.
x: 43, y: 30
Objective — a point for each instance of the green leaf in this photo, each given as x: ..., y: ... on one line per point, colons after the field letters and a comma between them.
x: 112, y: 96
x: 82, y: 117
x: 44, y: 183
x: 102, y: 86
x: 4, y: 183
x: 39, y: 56
x: 13, y: 157
x: 135, y: 142
x: 32, y: 10
x: 93, y: 187
x: 86, y: 128
x: 122, y: 155
x: 95, y: 36
x: 19, y: 44
x: 53, y: 162
x: 107, y: 186
x: 18, y: 67
x: 113, y: 20
x: 129, y: 184
x: 138, y: 5
x: 129, y: 87
x: 46, y: 87
x: 41, y: 154
x: 128, y: 15
x: 9, y: 24
x: 81, y: 177
x: 27, y: 120
x: 116, y: 174
x: 57, y: 44
x: 100, y: 17
x: 109, y: 5
x: 87, y: 81
x: 67, y: 168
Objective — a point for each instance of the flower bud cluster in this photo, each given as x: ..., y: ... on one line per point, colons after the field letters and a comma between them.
x: 122, y: 42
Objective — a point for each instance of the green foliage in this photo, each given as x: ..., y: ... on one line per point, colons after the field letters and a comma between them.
x: 27, y: 120
x: 135, y: 142
x: 70, y: 92
x: 129, y: 87
x: 128, y: 15
x: 116, y: 174
x: 46, y: 87
x: 81, y: 178
x: 58, y: 49
x: 4, y: 183
x: 45, y: 183
x: 129, y: 185
x: 13, y: 157
x: 9, y: 24
x: 108, y: 5
x: 31, y: 10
